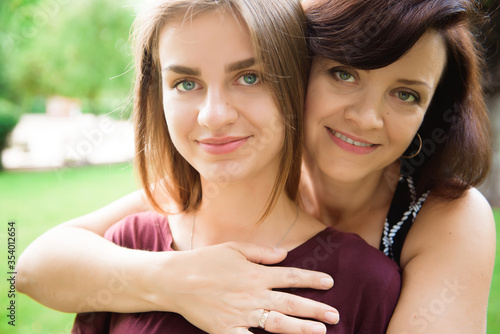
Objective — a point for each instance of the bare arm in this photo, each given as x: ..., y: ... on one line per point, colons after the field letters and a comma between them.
x: 49, y: 272
x: 447, y: 266
x: 71, y: 268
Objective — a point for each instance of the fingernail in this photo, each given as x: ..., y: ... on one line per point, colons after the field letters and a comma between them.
x: 326, y: 282
x: 319, y: 329
x: 332, y: 317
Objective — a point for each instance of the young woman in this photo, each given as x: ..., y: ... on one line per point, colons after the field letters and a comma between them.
x: 396, y: 138
x: 217, y: 108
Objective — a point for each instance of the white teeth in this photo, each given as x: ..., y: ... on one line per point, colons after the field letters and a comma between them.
x: 349, y: 140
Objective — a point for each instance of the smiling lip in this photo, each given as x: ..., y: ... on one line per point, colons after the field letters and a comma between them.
x: 350, y: 144
x: 223, y: 145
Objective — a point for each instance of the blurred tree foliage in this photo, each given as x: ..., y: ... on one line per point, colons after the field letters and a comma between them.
x: 76, y: 49
x: 8, y: 120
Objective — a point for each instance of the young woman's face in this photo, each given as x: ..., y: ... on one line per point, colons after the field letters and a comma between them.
x: 358, y: 122
x: 221, y: 117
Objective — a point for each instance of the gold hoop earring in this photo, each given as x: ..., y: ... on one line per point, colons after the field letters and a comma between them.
x: 418, y: 151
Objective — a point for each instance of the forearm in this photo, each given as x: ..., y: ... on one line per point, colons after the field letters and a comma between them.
x: 72, y: 268
x: 71, y: 265
x: 213, y: 288
x: 75, y: 270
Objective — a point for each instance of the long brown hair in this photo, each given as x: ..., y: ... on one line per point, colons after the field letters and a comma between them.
x: 455, y: 132
x: 277, y: 30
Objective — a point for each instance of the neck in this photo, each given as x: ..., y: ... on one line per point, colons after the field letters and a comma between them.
x: 347, y: 205
x: 233, y: 212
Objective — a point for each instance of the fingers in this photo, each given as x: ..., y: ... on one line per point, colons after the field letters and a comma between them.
x: 283, y: 277
x: 297, y: 306
x: 279, y: 323
x: 298, y: 278
x: 258, y: 254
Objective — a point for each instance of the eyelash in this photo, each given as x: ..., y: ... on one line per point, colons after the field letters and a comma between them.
x: 177, y: 83
x: 336, y: 71
x: 258, y: 80
x: 257, y: 75
x: 414, y: 94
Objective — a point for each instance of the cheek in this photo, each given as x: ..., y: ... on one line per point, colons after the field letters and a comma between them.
x: 180, y: 122
x: 403, y: 132
x: 321, y: 101
x: 310, y: 105
x: 266, y: 119
x: 178, y: 112
x: 260, y: 110
x: 310, y: 109
x: 316, y: 116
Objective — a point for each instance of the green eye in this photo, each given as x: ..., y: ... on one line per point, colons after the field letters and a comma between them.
x: 345, y: 76
x: 406, y: 96
x: 186, y: 86
x: 248, y: 79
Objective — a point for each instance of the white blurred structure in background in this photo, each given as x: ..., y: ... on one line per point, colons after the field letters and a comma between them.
x: 65, y: 137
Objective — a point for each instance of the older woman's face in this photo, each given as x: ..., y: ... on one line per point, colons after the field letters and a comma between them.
x: 358, y: 122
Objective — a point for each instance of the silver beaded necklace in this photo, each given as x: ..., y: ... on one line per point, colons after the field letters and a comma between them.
x: 193, y: 224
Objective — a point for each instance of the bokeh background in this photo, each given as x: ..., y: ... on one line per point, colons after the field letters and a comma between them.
x: 66, y: 142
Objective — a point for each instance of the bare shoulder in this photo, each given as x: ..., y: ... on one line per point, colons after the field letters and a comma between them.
x: 447, y: 264
x: 461, y: 230
x: 467, y: 221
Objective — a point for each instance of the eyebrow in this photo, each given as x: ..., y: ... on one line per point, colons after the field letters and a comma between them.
x: 240, y: 65
x: 414, y: 82
x: 181, y: 70
x: 236, y: 66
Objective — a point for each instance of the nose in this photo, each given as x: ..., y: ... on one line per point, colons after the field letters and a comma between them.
x: 366, y: 111
x: 217, y: 110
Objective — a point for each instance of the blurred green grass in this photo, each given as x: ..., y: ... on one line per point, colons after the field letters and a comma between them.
x: 37, y: 201
x: 494, y: 302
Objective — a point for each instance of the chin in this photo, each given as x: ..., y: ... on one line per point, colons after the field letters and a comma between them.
x: 344, y: 171
x: 221, y: 174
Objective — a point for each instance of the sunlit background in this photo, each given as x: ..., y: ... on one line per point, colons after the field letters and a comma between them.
x: 64, y: 76
x: 66, y: 141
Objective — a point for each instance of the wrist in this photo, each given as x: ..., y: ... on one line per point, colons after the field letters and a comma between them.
x: 131, y: 281
x: 158, y: 285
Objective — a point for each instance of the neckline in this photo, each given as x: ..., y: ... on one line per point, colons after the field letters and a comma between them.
x: 297, y: 251
x: 307, y: 245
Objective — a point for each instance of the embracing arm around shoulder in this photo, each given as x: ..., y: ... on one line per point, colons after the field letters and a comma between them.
x: 74, y: 254
x: 72, y: 268
x: 447, y: 266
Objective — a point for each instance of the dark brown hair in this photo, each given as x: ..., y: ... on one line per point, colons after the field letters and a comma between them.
x: 371, y: 34
x: 277, y: 31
